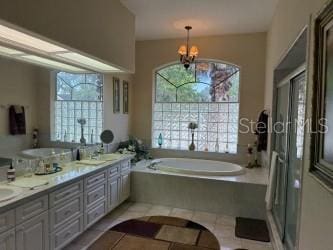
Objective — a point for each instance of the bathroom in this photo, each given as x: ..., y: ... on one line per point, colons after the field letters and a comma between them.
x: 177, y: 150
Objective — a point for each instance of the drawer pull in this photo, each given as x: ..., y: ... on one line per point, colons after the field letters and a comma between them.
x: 96, y: 196
x: 68, y: 212
x: 69, y: 233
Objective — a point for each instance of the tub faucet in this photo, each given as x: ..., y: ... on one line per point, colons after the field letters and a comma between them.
x: 153, y: 164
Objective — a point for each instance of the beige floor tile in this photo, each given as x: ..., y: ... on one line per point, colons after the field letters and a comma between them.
x: 182, y: 213
x: 159, y: 210
x: 225, y: 232
x: 204, y: 217
x: 116, y: 213
x: 178, y: 234
x: 137, y: 243
x: 140, y: 207
x: 131, y: 215
x: 226, y: 220
x: 88, y: 237
x: 229, y: 244
x: 256, y: 245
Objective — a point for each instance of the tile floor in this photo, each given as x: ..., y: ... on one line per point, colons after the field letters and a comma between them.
x: 221, y: 225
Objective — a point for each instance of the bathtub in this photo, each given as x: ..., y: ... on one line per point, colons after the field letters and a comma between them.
x: 196, y: 167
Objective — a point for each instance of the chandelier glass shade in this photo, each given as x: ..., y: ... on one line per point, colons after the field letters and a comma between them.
x: 188, y: 54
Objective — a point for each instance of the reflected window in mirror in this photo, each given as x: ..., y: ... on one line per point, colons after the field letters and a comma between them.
x: 78, y: 96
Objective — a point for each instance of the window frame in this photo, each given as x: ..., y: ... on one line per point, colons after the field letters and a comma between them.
x: 154, y: 75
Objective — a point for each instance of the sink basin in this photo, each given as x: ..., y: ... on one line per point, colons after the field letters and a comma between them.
x: 8, y: 193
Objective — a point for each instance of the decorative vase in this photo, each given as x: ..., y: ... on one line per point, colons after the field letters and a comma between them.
x: 192, y: 146
x: 160, y: 140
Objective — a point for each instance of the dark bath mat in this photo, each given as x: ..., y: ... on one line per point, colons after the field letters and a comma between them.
x: 252, y: 229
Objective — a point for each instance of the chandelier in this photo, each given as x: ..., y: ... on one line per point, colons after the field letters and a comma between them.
x: 187, y: 55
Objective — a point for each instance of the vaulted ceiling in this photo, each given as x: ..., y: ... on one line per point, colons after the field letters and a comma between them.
x: 160, y: 19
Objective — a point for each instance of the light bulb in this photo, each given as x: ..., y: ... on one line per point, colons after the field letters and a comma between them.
x: 182, y: 50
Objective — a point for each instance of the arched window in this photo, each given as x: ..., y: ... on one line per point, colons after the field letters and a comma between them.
x: 207, y: 94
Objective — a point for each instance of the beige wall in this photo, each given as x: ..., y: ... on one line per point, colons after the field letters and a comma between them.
x: 17, y: 86
x: 103, y: 28
x: 317, y: 202
x: 246, y: 51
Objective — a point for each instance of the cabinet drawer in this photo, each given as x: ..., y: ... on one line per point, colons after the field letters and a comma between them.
x: 114, y: 171
x: 31, y: 209
x: 95, y: 214
x: 7, y: 240
x: 7, y: 220
x: 66, y: 234
x: 125, y: 166
x: 65, y: 193
x: 95, y: 195
x: 63, y: 213
x: 95, y: 179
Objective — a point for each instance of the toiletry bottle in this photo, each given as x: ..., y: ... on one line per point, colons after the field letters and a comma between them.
x: 78, y: 155
x: 41, y: 167
x: 11, y: 173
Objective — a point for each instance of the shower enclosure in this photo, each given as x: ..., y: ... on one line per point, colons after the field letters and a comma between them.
x: 289, y: 133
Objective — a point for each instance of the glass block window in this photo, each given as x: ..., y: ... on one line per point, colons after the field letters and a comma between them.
x: 78, y: 96
x: 207, y: 94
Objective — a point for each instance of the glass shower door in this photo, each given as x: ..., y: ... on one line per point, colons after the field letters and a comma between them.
x: 289, y: 134
x: 281, y: 147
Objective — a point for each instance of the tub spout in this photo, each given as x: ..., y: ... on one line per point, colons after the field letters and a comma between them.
x: 153, y: 164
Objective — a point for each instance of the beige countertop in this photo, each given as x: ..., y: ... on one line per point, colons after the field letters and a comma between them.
x: 71, y: 172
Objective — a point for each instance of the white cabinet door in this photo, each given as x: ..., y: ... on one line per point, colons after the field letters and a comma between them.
x: 113, y: 192
x: 33, y: 234
x: 7, y: 240
x: 125, y: 186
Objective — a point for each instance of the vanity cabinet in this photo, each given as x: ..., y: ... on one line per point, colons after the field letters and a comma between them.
x: 33, y: 234
x: 7, y: 240
x: 7, y: 221
x: 66, y: 214
x: 53, y: 220
x: 125, y: 186
x: 114, y: 187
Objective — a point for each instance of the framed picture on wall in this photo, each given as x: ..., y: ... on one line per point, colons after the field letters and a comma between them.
x: 322, y: 143
x: 116, y: 95
x: 125, y: 97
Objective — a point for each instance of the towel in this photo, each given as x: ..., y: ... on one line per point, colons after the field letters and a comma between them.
x: 17, y: 124
x: 262, y: 131
x: 271, y: 182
